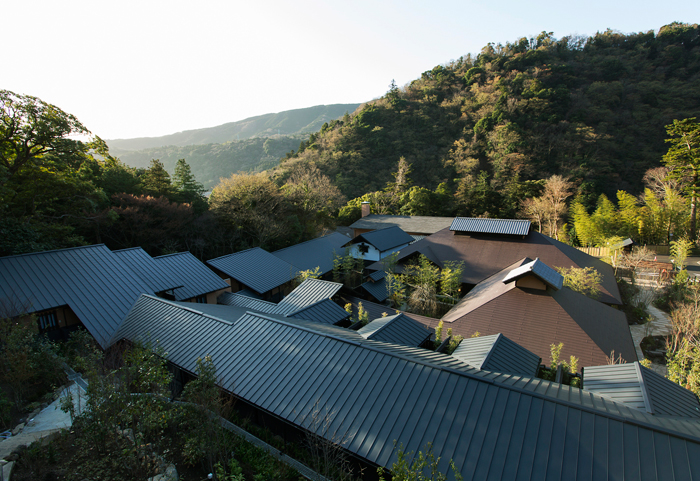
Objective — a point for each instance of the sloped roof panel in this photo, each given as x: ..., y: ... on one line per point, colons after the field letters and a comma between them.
x: 497, y: 353
x: 377, y: 275
x: 318, y: 252
x: 539, y: 269
x: 91, y: 280
x: 309, y: 292
x: 490, y: 226
x: 240, y: 300
x: 397, y: 329
x: 384, y: 239
x: 155, y: 274
x: 408, y: 223
x: 667, y: 397
x: 377, y: 289
x: 191, y: 273
x: 256, y: 268
x: 325, y: 311
x: 496, y: 425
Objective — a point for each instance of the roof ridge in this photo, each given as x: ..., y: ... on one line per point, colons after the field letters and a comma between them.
x: 173, y: 254
x: 238, y: 252
x: 54, y: 250
x: 493, y: 347
x: 194, y: 311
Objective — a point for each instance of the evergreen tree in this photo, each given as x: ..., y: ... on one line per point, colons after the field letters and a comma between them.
x: 156, y: 180
x: 188, y: 189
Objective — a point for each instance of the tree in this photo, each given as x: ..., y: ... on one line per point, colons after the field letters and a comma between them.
x: 683, y: 158
x: 584, y: 280
x: 34, y: 133
x: 186, y: 185
x: 156, y: 181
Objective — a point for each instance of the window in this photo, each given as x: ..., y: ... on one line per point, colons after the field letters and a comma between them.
x: 363, y: 248
x: 48, y: 320
x: 201, y: 299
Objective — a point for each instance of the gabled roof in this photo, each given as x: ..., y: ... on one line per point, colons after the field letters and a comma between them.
x: 384, y: 239
x: 589, y: 329
x: 155, y: 274
x: 641, y: 388
x: 191, y: 273
x: 97, y: 286
x: 539, y: 269
x: 485, y: 255
x: 417, y: 224
x: 307, y: 293
x: 325, y: 311
x: 472, y: 225
x: 497, y: 353
x: 318, y: 252
x: 255, y: 268
x: 376, y: 311
x: 237, y: 299
x: 377, y: 289
x: 491, y: 425
x: 398, y: 329
x: 377, y: 275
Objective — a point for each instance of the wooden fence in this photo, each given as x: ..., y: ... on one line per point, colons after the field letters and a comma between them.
x: 605, y: 251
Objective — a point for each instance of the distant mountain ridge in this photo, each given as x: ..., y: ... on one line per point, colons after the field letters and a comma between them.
x: 287, y: 123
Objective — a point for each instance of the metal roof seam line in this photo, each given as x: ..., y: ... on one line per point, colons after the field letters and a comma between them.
x: 642, y: 383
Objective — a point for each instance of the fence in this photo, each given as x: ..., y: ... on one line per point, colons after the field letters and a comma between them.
x: 605, y: 251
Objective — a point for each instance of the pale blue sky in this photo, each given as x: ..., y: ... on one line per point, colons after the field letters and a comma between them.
x: 146, y: 68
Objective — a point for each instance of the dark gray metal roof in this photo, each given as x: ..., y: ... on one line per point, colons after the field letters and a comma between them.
x: 191, y: 273
x: 240, y: 300
x: 256, y: 268
x: 641, y: 388
x: 377, y: 275
x: 377, y: 289
x: 384, y: 239
x: 318, y: 252
x: 497, y: 353
x: 493, y: 426
x: 325, y: 311
x: 309, y: 292
x: 97, y: 286
x: 398, y: 329
x: 249, y: 293
x: 155, y: 274
x: 538, y: 268
x: 416, y: 224
x: 491, y: 226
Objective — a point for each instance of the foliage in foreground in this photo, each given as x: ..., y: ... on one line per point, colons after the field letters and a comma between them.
x: 424, y: 466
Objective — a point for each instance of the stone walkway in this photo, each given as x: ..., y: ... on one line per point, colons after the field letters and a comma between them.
x: 660, y: 325
x: 47, y: 422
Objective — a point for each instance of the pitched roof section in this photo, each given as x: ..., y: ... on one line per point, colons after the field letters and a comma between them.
x: 97, y: 286
x: 384, y: 239
x: 497, y: 353
x: 307, y: 293
x: 191, y: 273
x: 318, y: 252
x: 377, y: 289
x: 325, y: 311
x: 589, y: 329
x: 155, y: 274
x: 237, y: 299
x: 483, y: 256
x: 256, y: 268
x: 538, y: 268
x: 408, y: 223
x: 472, y: 225
x: 397, y: 329
x: 491, y: 425
x: 641, y: 388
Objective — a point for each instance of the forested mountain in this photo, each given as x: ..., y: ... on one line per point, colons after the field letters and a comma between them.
x: 288, y: 123
x: 592, y: 109
x: 210, y: 162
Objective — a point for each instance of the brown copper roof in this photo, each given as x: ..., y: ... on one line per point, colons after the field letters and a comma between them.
x: 485, y: 255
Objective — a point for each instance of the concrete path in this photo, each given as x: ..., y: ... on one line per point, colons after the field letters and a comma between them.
x: 660, y: 325
x: 50, y: 420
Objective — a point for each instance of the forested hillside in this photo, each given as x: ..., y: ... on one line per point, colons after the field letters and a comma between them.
x: 591, y: 109
x: 210, y: 162
x: 288, y: 123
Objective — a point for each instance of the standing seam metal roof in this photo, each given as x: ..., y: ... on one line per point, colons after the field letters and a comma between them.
x: 377, y: 289
x: 309, y: 292
x: 256, y: 268
x: 497, y: 353
x: 318, y: 252
x: 548, y: 275
x: 398, y: 329
x: 155, y: 274
x: 325, y: 311
x: 493, y: 426
x: 384, y: 239
x: 491, y: 226
x: 641, y: 388
x: 191, y: 273
x: 91, y: 280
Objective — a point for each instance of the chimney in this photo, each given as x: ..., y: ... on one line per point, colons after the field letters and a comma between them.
x: 365, y: 208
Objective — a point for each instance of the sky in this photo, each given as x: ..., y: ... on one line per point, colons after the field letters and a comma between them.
x: 147, y: 68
